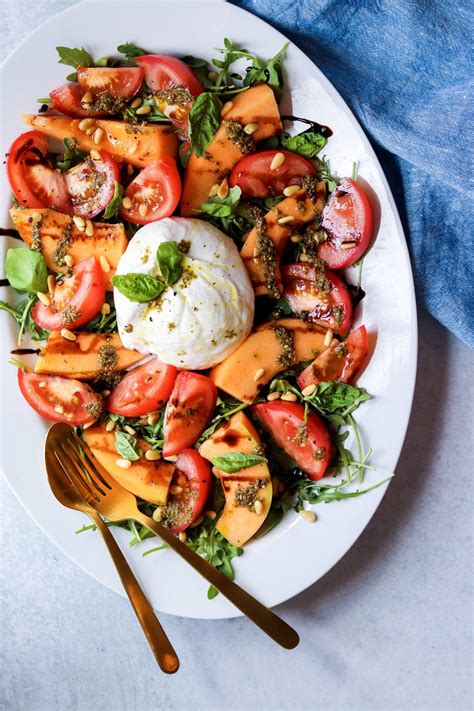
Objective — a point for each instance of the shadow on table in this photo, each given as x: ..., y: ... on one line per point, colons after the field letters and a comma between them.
x: 399, y: 504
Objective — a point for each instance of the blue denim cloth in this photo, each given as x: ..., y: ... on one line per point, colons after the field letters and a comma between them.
x: 404, y: 68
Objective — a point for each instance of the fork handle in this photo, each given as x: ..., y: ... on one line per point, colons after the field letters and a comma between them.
x: 268, y: 621
x: 157, y: 639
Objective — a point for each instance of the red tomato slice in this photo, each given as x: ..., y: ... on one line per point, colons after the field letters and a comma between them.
x: 322, y: 299
x: 67, y: 100
x: 76, y: 299
x: 189, y: 409
x: 121, y: 82
x: 349, y: 219
x: 193, y: 476
x: 143, y: 389
x: 60, y: 399
x: 308, y: 444
x: 91, y: 184
x: 341, y: 361
x: 35, y: 183
x: 154, y: 193
x: 253, y: 175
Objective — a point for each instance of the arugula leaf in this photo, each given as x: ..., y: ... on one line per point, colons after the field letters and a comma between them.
x: 268, y: 72
x: 315, y: 493
x: 127, y: 446
x: 204, y: 120
x: 74, y: 57
x: 26, y: 270
x: 131, y: 50
x: 223, y: 207
x: 103, y: 322
x: 114, y: 205
x: 199, y: 67
x: 72, y: 154
x: 24, y: 319
x: 325, y: 172
x: 139, y: 288
x: 307, y: 144
x: 169, y: 260
x: 235, y: 461
x: 213, y: 547
x: 231, y: 55
x: 225, y: 410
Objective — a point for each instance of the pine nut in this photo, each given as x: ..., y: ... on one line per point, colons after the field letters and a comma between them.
x: 157, y: 514
x: 105, y: 310
x: 153, y: 418
x: 59, y: 409
x: 172, y: 458
x: 285, y: 219
x: 213, y: 190
x: 95, y: 155
x: 143, y: 110
x: 143, y: 209
x: 182, y: 537
x: 212, y: 76
x: 348, y: 245
x: 79, y: 222
x: 273, y: 396
x: 123, y: 463
x: 278, y: 159
x: 304, y: 258
x: 307, y: 515
x: 86, y: 123
x: 309, y: 390
x: 126, y: 203
x: 42, y: 384
x: 223, y: 189
x: 90, y: 130
x: 87, y: 98
x: 152, y: 455
x: 174, y: 490
x: 296, y: 238
x: 36, y: 217
x: 98, y: 135
x: 291, y: 190
x: 68, y: 335
x: 250, y: 128
x: 136, y: 103
x: 328, y: 338
x: 68, y: 260
x: 227, y: 107
x: 289, y: 397
x: 110, y: 426
x: 211, y: 515
x: 87, y: 425
x: 258, y: 374
x: 51, y: 283
x: 127, y: 428
x: 197, y: 522
x: 44, y: 298
x: 106, y: 393
x: 89, y: 228
x: 104, y: 263
x: 258, y: 507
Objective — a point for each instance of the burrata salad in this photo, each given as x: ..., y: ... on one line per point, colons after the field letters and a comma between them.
x: 188, y: 281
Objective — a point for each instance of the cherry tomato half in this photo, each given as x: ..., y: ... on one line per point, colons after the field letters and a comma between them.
x: 309, y: 444
x: 189, y: 410
x: 34, y: 181
x: 322, y: 298
x: 91, y: 184
x: 67, y: 100
x: 253, y: 175
x: 154, y: 193
x: 121, y: 82
x: 193, y: 475
x: 76, y: 299
x: 349, y: 219
x: 60, y: 399
x: 143, y: 389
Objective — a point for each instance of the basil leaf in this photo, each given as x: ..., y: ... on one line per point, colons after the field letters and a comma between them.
x: 223, y: 207
x: 72, y: 155
x: 204, y: 120
x: 114, y: 205
x: 139, y: 288
x: 127, y: 446
x: 307, y: 144
x: 235, y: 461
x: 337, y: 401
x: 194, y: 62
x: 74, y: 57
x: 130, y: 50
x: 169, y: 260
x: 26, y: 270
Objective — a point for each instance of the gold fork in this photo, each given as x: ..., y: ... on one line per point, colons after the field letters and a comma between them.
x: 115, y: 503
x: 65, y: 492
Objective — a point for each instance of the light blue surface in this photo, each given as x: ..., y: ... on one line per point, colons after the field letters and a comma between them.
x: 405, y: 69
x: 389, y: 628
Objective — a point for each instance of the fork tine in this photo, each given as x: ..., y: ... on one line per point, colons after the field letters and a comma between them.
x: 76, y: 482
x: 83, y: 470
x: 99, y: 471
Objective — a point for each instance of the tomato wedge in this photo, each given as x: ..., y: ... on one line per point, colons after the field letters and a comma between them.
x: 341, y: 361
x: 193, y: 476
x: 143, y: 389
x: 120, y: 82
x: 322, y: 298
x: 189, y: 409
x: 34, y: 181
x: 349, y: 219
x: 154, y: 193
x: 76, y: 299
x: 67, y: 100
x: 60, y: 399
x: 91, y: 184
x: 308, y: 444
x: 253, y: 175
